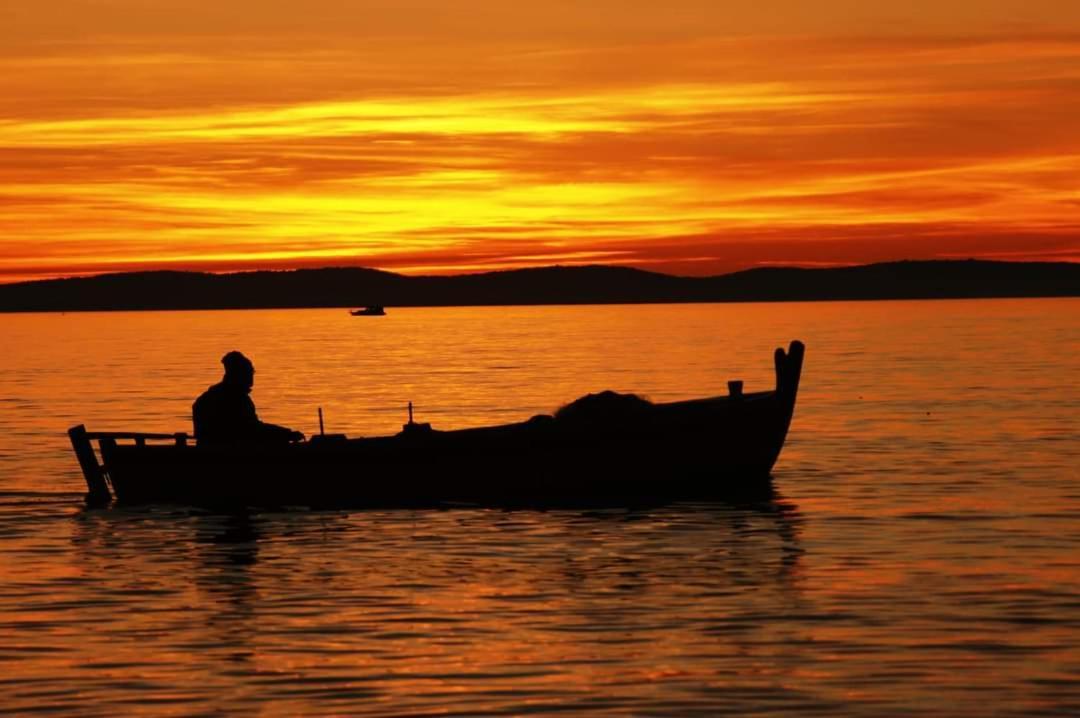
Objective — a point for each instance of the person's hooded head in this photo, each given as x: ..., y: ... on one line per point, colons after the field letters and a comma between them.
x: 239, y: 371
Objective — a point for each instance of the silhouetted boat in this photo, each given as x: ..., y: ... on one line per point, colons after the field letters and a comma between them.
x: 372, y: 311
x: 604, y: 449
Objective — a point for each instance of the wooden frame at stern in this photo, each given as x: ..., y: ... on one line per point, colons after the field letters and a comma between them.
x: 96, y: 473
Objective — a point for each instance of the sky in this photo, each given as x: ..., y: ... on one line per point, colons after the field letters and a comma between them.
x: 692, y: 137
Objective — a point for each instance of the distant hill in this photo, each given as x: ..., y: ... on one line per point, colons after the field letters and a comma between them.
x: 354, y: 287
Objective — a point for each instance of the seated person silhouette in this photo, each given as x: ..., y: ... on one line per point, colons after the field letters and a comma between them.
x: 225, y: 414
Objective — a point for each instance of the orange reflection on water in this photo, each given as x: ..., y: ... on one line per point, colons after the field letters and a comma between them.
x: 908, y: 560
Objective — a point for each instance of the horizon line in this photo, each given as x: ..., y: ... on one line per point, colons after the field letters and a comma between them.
x: 810, y: 266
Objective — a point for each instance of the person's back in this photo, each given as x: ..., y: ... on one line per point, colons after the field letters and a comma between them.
x: 225, y: 413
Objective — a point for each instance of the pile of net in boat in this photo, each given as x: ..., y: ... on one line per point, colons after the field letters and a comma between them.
x: 607, y: 407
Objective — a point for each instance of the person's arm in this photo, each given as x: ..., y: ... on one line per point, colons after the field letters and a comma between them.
x: 275, y: 433
x: 271, y: 432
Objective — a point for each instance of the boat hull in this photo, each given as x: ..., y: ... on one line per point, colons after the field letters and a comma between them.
x: 716, y: 447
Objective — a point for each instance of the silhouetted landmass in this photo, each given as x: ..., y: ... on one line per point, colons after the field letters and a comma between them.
x: 356, y: 287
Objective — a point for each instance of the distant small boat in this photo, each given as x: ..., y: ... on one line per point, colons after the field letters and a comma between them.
x: 603, y: 449
x: 373, y: 311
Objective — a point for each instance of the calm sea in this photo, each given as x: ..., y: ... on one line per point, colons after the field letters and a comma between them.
x: 921, y: 555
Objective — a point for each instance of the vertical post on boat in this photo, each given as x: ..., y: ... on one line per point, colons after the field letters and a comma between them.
x: 410, y: 412
x: 98, y: 490
x: 322, y: 432
x: 789, y: 369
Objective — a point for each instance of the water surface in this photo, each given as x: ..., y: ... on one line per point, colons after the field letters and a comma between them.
x: 921, y: 554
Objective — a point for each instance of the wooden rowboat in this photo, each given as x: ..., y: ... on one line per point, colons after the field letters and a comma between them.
x: 605, y: 449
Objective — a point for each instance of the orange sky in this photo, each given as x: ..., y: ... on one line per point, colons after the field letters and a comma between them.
x: 689, y: 136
